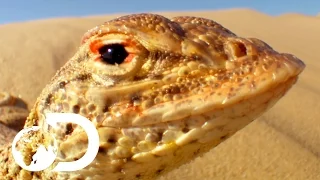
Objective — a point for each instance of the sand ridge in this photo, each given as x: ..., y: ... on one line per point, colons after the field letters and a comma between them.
x: 282, y: 144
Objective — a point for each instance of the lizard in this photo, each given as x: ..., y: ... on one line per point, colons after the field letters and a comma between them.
x: 159, y: 91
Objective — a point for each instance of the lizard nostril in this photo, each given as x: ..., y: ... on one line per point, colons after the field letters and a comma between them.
x: 240, y: 50
x: 236, y: 49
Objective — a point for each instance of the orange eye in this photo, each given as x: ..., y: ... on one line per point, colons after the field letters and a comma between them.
x: 111, y: 53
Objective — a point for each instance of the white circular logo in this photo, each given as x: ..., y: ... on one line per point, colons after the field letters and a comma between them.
x: 43, y: 157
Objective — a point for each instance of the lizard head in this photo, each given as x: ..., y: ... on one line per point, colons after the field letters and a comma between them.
x: 160, y: 91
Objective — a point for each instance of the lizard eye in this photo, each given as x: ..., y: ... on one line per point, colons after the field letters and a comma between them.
x: 114, y: 56
x: 113, y: 53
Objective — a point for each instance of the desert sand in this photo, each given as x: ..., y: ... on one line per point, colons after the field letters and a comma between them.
x: 282, y: 144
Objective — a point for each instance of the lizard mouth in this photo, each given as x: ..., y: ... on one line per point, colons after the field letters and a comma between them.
x: 216, y: 122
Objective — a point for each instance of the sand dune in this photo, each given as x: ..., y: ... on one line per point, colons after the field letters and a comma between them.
x: 282, y: 144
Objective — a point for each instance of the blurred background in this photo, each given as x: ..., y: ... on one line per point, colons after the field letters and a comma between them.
x: 22, y: 10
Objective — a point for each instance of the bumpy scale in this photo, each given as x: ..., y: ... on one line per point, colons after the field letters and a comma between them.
x: 160, y: 92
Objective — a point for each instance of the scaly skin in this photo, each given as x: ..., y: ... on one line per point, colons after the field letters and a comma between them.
x: 185, y: 86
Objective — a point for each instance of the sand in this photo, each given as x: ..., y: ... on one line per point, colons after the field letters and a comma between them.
x: 282, y: 144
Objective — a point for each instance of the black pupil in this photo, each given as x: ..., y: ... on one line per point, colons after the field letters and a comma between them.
x: 113, y: 53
